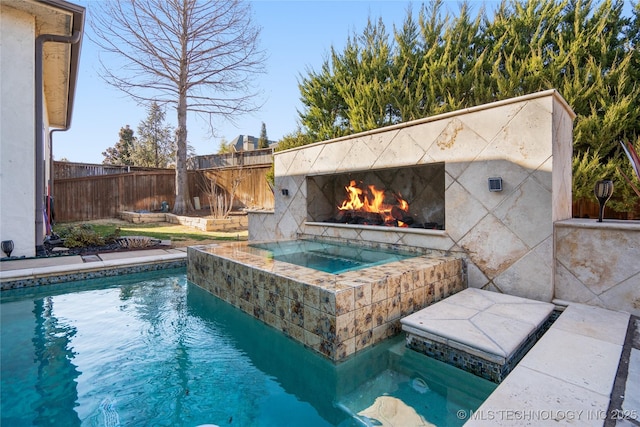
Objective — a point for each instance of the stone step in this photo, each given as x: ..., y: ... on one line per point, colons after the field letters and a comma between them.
x: 485, y: 333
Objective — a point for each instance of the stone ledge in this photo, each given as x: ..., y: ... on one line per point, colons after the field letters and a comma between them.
x: 423, y: 231
x: 483, y: 332
x: 140, y: 218
x: 590, y: 223
x: 231, y: 223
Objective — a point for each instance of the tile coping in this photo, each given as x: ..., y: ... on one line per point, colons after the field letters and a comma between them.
x: 71, y: 268
x: 590, y: 223
x: 549, y: 92
x: 235, y: 251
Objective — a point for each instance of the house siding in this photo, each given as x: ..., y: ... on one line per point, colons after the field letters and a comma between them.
x: 17, y: 151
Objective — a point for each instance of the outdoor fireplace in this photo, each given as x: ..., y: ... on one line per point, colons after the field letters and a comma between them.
x: 404, y: 197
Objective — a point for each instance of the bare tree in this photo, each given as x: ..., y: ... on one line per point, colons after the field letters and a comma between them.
x: 220, y: 192
x: 197, y: 56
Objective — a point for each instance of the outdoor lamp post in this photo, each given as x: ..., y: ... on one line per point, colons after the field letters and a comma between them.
x: 603, y: 192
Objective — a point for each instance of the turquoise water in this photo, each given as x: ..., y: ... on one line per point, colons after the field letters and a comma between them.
x: 327, y: 257
x: 155, y: 350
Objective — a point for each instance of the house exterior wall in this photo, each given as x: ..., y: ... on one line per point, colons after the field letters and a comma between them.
x: 17, y: 171
x: 505, y: 237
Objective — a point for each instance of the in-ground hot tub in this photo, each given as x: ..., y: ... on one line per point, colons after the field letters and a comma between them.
x: 328, y: 257
x: 335, y: 314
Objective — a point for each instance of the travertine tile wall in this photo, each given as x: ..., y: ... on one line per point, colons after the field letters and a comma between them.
x: 506, y: 237
x: 336, y: 315
x: 598, y: 263
x: 262, y: 225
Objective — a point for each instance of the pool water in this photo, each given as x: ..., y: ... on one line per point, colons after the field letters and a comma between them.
x: 153, y: 349
x: 328, y: 257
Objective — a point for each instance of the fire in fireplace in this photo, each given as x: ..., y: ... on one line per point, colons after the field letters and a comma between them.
x: 408, y: 197
x: 368, y: 205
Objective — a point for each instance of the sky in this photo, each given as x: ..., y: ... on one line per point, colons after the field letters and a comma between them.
x: 296, y: 36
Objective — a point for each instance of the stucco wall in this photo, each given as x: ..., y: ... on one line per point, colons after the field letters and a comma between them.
x: 17, y: 174
x: 599, y: 263
x: 506, y: 237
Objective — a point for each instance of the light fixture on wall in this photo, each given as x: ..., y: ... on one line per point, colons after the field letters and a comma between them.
x: 603, y: 192
x: 495, y: 183
x: 7, y: 247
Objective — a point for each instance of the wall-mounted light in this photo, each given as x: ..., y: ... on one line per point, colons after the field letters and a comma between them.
x: 285, y: 192
x: 603, y: 191
x: 495, y: 183
x: 7, y: 247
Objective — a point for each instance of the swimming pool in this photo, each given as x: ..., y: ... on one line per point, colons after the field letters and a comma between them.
x: 153, y: 349
x: 328, y: 257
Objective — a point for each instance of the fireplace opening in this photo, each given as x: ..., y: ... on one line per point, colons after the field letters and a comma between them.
x: 404, y: 197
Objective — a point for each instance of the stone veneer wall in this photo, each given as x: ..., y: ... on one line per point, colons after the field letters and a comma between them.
x: 336, y: 315
x: 598, y: 263
x: 506, y: 237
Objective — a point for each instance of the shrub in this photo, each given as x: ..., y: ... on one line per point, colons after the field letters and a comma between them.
x: 80, y: 236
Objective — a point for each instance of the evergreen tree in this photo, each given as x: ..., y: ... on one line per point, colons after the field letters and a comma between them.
x: 294, y: 139
x: 409, y: 85
x: 155, y: 145
x: 121, y: 152
x: 225, y: 146
x: 263, y: 141
x: 324, y: 116
x: 364, y: 78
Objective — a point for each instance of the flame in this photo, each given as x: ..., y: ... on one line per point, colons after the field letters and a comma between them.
x: 373, y: 201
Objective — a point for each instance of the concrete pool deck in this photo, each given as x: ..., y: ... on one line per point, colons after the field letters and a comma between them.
x: 569, y: 376
x: 583, y: 371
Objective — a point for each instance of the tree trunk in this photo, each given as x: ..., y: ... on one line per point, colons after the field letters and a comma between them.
x: 182, y: 204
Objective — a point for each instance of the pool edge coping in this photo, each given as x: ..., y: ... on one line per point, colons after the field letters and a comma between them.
x: 70, y: 271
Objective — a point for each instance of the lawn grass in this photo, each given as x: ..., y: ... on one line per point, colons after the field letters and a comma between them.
x: 162, y: 231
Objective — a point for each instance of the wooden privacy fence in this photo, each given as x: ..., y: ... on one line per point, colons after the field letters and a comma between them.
x: 100, y: 197
x: 258, y: 157
x: 103, y: 196
x: 78, y: 170
x: 591, y: 209
x: 252, y: 191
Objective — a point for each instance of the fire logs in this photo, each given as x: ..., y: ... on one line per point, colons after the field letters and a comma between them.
x: 368, y: 205
x: 374, y: 218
